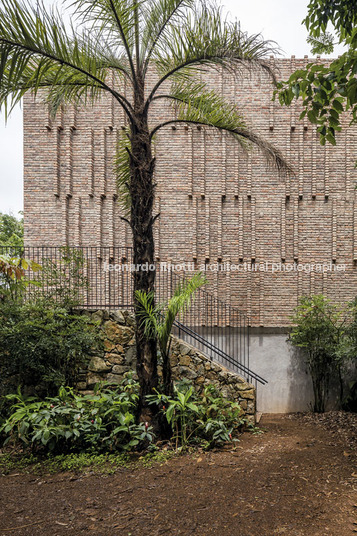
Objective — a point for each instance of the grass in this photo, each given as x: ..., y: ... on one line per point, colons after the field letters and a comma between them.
x: 79, y: 462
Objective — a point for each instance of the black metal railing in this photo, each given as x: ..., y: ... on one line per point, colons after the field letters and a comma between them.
x: 101, y: 277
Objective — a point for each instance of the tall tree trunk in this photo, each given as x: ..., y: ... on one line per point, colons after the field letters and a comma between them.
x: 142, y: 191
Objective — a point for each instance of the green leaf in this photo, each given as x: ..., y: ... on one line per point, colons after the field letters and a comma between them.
x: 337, y: 106
x: 311, y: 116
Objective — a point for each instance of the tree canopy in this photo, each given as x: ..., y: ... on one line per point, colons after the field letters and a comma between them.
x: 11, y: 230
x: 330, y: 89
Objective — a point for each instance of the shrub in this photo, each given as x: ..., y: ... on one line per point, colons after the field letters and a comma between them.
x: 104, y: 421
x: 207, y: 419
x: 43, y: 346
x: 318, y: 330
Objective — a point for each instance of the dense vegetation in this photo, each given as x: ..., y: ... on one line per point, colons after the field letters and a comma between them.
x: 327, y: 334
x: 106, y: 420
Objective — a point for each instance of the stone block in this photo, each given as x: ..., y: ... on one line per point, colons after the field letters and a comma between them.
x: 185, y: 349
x: 115, y: 359
x: 120, y: 369
x: 248, y: 395
x: 94, y: 378
x: 97, y: 364
x: 114, y: 378
x: 130, y: 356
x: 185, y: 372
x: 185, y: 360
x: 118, y: 316
x: 117, y: 333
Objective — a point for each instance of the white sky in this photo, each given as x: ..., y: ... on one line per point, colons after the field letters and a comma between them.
x: 278, y: 20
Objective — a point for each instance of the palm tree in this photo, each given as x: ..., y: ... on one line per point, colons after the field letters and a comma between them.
x: 126, y: 39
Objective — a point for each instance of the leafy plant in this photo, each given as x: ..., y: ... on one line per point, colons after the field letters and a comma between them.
x: 64, y: 279
x: 158, y: 320
x: 11, y: 231
x: 13, y: 281
x: 43, y: 346
x: 208, y: 419
x: 318, y: 330
x: 329, y: 90
x: 103, y: 421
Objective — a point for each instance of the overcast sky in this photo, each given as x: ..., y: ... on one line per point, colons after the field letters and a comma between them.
x: 279, y: 20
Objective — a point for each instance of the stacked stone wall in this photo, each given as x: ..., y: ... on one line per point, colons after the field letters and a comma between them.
x: 119, y: 357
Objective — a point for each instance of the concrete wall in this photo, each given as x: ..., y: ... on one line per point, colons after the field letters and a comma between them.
x: 289, y: 386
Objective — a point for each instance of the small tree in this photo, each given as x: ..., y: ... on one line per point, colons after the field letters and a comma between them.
x: 158, y: 320
x: 318, y: 327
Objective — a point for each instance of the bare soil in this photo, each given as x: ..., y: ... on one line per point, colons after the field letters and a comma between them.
x: 298, y: 478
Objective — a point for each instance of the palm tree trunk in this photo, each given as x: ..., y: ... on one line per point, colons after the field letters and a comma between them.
x: 142, y: 199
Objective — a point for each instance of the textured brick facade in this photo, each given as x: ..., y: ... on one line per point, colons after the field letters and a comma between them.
x: 217, y: 203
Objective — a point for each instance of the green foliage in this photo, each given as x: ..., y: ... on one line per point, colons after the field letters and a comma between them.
x: 63, y: 280
x: 13, y: 281
x: 318, y: 330
x: 79, y: 462
x: 43, y: 345
x: 327, y: 90
x: 103, y: 421
x: 342, y: 14
x: 158, y: 320
x: 208, y: 419
x: 11, y: 231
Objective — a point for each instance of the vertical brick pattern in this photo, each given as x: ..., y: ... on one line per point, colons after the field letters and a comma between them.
x: 216, y: 200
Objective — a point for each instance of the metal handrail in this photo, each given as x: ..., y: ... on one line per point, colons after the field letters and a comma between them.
x: 225, y: 357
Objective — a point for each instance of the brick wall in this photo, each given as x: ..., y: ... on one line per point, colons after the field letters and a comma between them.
x: 217, y: 202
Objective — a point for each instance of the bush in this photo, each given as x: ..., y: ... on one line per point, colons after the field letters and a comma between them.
x: 43, y: 346
x: 318, y: 330
x: 208, y: 419
x: 104, y: 421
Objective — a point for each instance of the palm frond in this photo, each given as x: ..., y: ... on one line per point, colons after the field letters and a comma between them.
x: 179, y: 303
x: 160, y: 16
x: 37, y: 51
x: 116, y: 18
x: 149, y: 314
x: 194, y: 104
x: 158, y: 320
x: 205, y: 38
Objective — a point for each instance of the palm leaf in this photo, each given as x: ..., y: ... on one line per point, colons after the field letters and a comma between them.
x: 116, y: 18
x: 194, y: 104
x: 158, y: 320
x: 39, y: 52
x: 160, y: 17
x: 205, y: 38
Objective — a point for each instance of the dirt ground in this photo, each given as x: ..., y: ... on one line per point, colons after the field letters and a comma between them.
x: 298, y: 478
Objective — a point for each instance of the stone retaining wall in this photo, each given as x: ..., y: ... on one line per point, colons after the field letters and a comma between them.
x: 119, y: 357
